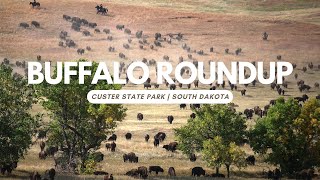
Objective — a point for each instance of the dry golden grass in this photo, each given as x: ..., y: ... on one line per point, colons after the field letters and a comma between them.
x: 293, y: 34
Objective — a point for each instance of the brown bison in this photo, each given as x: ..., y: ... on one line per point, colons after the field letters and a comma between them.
x: 156, y: 169
x: 171, y: 171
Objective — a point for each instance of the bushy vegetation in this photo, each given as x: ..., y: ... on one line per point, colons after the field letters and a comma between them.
x: 77, y: 125
x: 17, y: 125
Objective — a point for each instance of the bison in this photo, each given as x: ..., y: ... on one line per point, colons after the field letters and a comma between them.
x: 251, y: 160
x: 156, y: 169
x: 192, y: 157
x: 170, y: 119
x: 171, y: 171
x: 171, y: 146
x: 198, y: 171
x: 131, y: 157
x: 140, y: 116
x: 113, y: 137
x: 128, y: 136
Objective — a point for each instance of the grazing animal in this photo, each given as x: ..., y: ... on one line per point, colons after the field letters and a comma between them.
x: 140, y: 116
x: 243, y: 92
x: 238, y: 51
x: 108, y: 146
x: 172, y: 87
x: 63, y: 34
x: 170, y: 119
x: 166, y: 58
x: 196, y: 83
x: 133, y: 173
x: 171, y: 146
x: 127, y: 31
x: 80, y: 51
x: 92, y: 25
x: 251, y: 160
x: 126, y: 46
x: 70, y: 43
x: 192, y: 115
x: 42, y: 145
x: 183, y: 106
x: 157, y: 36
x: 147, y: 85
x: 248, y: 113
x: 113, y: 146
x: 113, y: 137
x: 66, y: 17
x: 107, y: 31
x: 156, y: 43
x: 60, y: 44
x: 265, y: 36
x: 192, y: 157
x: 111, y: 49
x: 120, y: 27
x: 97, y: 30
x: 139, y: 34
x: 75, y: 26
x: 86, y: 33
x: 304, y: 87
x: 35, y: 24
x: 156, y: 142
x: 122, y: 56
x: 24, y: 25
x: 171, y: 171
x: 198, y: 171
x: 156, y: 169
x: 84, y: 22
x: 131, y: 157
x: 128, y: 136
x: 161, y: 136
x: 143, y: 171
x: 195, y: 106
x: 146, y: 137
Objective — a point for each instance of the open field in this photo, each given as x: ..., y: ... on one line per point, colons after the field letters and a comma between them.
x: 294, y: 33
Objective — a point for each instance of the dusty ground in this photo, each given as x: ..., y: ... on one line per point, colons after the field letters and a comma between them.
x: 294, y: 33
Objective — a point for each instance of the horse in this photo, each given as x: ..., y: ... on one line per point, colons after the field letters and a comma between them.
x: 101, y: 10
x: 35, y: 4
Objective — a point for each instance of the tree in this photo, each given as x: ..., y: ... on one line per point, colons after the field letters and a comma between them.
x: 77, y: 126
x: 17, y: 124
x: 214, y: 124
x: 216, y: 153
x: 289, y: 135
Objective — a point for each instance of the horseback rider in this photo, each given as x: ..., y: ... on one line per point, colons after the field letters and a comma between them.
x: 101, y: 7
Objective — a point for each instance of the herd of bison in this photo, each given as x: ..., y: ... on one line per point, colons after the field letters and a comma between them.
x: 88, y: 28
